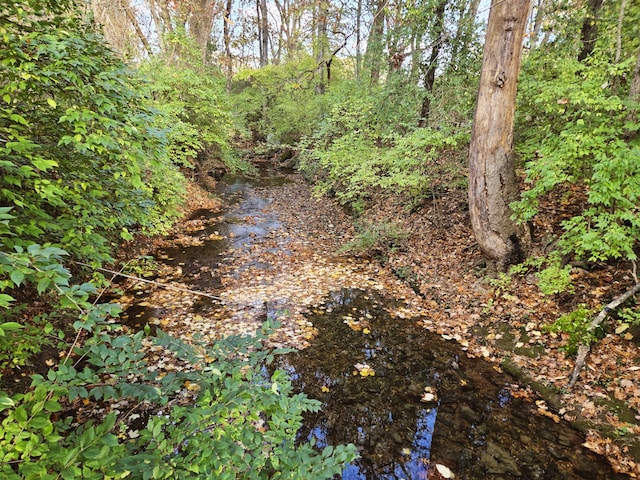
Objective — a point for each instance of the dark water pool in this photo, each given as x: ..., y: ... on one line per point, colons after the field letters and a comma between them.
x: 473, y: 425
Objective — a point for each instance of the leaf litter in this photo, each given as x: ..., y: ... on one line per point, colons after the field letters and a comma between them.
x: 289, y: 271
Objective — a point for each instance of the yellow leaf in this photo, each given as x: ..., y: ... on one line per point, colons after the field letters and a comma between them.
x: 622, y: 328
x: 325, y: 389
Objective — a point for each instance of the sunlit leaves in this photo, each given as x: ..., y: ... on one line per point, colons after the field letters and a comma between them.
x: 581, y: 138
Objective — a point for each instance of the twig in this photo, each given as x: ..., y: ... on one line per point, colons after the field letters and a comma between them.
x: 584, y: 349
x: 163, y: 285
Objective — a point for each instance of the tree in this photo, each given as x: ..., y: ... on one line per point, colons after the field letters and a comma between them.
x: 429, y: 67
x: 375, y: 43
x: 120, y: 26
x: 263, y: 32
x: 492, y: 180
x: 589, y: 33
x: 200, y: 22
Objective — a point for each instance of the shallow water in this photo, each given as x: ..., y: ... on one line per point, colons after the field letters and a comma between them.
x: 474, y: 425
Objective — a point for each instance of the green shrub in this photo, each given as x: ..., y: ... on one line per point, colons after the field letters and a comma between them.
x: 375, y: 238
x: 575, y: 324
x: 193, y: 113
x: 239, y: 423
x: 278, y: 103
x: 582, y: 137
x: 80, y: 164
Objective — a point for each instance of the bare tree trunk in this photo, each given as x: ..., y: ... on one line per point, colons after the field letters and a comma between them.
x: 263, y: 32
x: 136, y: 26
x: 623, y: 5
x: 430, y: 68
x: 226, y: 27
x: 373, y: 53
x: 634, y: 96
x: 492, y: 180
x: 321, y: 46
x: 634, y: 91
x: 115, y: 25
x: 200, y: 21
x: 589, y: 33
x: 358, y: 39
x: 537, y: 23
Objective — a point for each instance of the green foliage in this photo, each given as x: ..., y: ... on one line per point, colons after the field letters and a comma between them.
x: 575, y: 324
x: 240, y: 422
x: 278, y: 102
x: 629, y: 315
x: 194, y: 114
x: 79, y: 162
x: 81, y: 166
x: 375, y: 238
x: 584, y: 138
x: 553, y: 276
x: 351, y: 160
x: 145, y: 266
x: 555, y: 279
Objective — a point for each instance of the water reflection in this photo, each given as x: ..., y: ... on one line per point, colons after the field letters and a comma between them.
x: 474, y: 426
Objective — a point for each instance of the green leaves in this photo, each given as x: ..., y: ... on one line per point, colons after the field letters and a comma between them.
x: 87, y: 126
x: 581, y: 143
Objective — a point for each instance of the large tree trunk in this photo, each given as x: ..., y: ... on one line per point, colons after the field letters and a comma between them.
x: 200, y: 23
x: 321, y: 46
x: 358, y: 39
x: 226, y: 32
x: 634, y: 91
x: 263, y: 32
x: 136, y: 26
x: 375, y: 43
x: 492, y: 180
x: 589, y: 33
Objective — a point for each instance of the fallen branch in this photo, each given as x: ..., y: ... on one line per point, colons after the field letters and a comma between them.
x: 144, y: 280
x: 584, y: 349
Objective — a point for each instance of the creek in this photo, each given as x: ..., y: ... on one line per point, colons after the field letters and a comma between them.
x: 410, y: 400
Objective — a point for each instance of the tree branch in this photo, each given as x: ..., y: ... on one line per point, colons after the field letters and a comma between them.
x: 584, y: 349
x: 163, y: 285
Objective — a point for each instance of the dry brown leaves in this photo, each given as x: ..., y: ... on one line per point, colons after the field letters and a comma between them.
x: 508, y: 321
x: 290, y: 271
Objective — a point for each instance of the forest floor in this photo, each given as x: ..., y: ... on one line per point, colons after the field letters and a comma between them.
x: 438, y: 270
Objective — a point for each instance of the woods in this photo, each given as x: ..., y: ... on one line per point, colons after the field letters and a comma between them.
x: 527, y: 110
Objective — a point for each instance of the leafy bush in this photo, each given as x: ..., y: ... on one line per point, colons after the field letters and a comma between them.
x: 583, y: 138
x: 375, y: 238
x: 575, y: 324
x: 193, y: 113
x: 352, y: 166
x: 223, y: 418
x: 278, y: 102
x: 77, y: 150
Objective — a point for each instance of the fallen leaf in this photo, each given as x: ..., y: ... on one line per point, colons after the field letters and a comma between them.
x: 444, y: 471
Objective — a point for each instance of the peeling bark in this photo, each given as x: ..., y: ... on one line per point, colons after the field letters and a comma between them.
x: 492, y: 179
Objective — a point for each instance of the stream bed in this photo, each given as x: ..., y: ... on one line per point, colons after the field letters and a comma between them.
x: 422, y: 402
x: 409, y: 399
